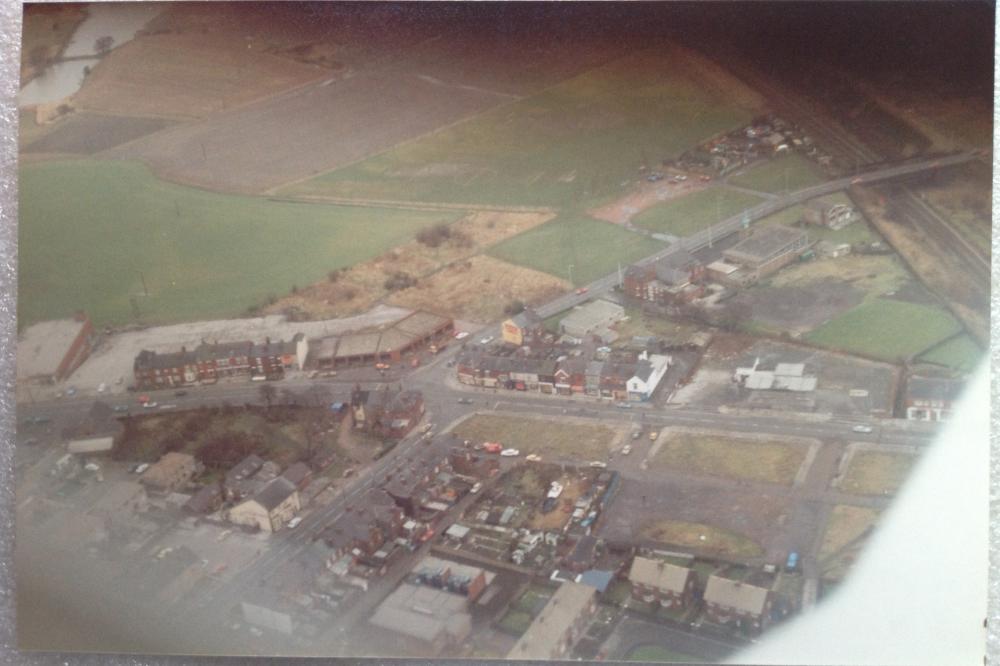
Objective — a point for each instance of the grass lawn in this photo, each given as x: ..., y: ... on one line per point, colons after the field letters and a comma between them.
x: 886, y: 329
x: 790, y: 171
x: 549, y: 439
x: 95, y: 235
x: 961, y: 353
x: 720, y: 542
x: 575, y: 247
x: 693, y: 212
x: 846, y: 524
x: 515, y: 622
x: 856, y: 232
x: 574, y: 142
x: 772, y: 462
x: 877, y: 473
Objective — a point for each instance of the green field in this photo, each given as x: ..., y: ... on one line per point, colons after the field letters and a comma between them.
x: 789, y: 172
x: 575, y: 142
x: 886, y: 329
x: 90, y: 232
x: 693, y: 212
x: 960, y: 353
x: 593, y: 249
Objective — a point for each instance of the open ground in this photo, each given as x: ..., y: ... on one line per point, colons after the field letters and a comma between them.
x: 785, y: 173
x: 688, y: 214
x: 565, y: 439
x: 579, y: 140
x: 114, y: 241
x: 871, y: 472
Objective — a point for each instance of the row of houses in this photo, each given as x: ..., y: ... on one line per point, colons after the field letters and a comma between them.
x: 634, y: 381
x: 211, y: 361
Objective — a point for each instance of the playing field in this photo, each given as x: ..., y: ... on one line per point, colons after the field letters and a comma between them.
x: 693, y: 212
x: 886, y: 329
x: 960, y: 353
x: 97, y: 235
x: 577, y: 141
x: 787, y: 173
x: 575, y: 248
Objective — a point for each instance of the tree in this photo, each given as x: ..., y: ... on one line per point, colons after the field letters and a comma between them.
x: 267, y: 394
x: 515, y: 307
x: 103, y: 44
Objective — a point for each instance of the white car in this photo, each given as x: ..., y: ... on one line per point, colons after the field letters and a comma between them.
x: 294, y: 522
x: 476, y: 487
x: 487, y: 340
x: 165, y: 406
x: 461, y: 335
x: 149, y: 405
x: 102, y: 387
x: 140, y: 468
x: 92, y: 467
x: 510, y: 453
x: 863, y: 428
x: 627, y: 449
x: 598, y: 464
x: 533, y: 457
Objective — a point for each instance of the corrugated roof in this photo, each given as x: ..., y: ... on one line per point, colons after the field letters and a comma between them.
x: 735, y: 595
x: 659, y: 574
x: 358, y: 344
x: 420, y: 324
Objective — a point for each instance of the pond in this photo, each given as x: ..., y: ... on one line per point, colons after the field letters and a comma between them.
x: 120, y: 21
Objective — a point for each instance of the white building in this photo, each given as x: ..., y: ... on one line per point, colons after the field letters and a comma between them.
x: 648, y: 373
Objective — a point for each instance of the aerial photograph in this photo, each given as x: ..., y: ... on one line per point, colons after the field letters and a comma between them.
x: 530, y: 331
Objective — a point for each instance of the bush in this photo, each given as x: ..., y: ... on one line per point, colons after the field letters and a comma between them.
x: 399, y: 280
x: 515, y: 307
x: 434, y: 236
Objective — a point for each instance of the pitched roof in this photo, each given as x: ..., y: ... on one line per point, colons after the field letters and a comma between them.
x: 274, y: 493
x: 736, y: 595
x: 244, y: 469
x: 546, y: 632
x: 297, y: 473
x: 933, y: 388
x: 659, y: 574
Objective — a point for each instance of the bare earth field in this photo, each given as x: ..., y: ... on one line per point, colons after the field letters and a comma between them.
x: 451, y: 279
x: 645, y: 195
x: 88, y: 133
x: 188, y: 76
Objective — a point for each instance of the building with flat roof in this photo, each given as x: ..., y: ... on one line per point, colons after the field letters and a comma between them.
x: 784, y: 377
x: 49, y: 351
x: 434, y: 617
x: 592, y: 319
x: 560, y: 624
x: 768, y: 249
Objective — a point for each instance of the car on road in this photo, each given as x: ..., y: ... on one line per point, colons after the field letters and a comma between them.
x: 533, y: 457
x: 510, y: 453
x: 487, y: 340
x: 71, y: 391
x: 623, y: 405
x: 636, y: 434
x: 627, y: 449
x: 313, y: 375
x: 464, y: 401
x: 476, y: 487
x: 143, y: 399
x: 140, y: 468
x: 165, y: 406
x: 102, y: 387
x: 492, y: 447
x: 120, y: 408
x: 653, y: 435
x: 180, y: 393
x: 427, y: 427
x: 149, y: 404
x: 461, y: 335
x: 792, y: 563
x: 92, y: 467
x: 581, y: 291
x: 863, y: 429
x: 599, y: 464
x: 381, y: 366
x: 294, y: 522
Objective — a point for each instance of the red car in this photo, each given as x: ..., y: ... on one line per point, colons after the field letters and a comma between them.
x: 492, y: 447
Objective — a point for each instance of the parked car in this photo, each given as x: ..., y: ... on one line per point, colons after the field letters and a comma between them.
x: 862, y: 428
x: 165, y: 406
x: 71, y: 391
x: 653, y: 435
x: 793, y: 561
x: 599, y: 464
x: 627, y: 449
x: 294, y: 522
x: 533, y: 457
x: 140, y: 468
x: 180, y: 393
x: 120, y: 408
x: 102, y: 387
x: 464, y: 401
x: 510, y: 453
x: 476, y: 487
x: 149, y: 404
x: 581, y: 291
x: 636, y: 434
x: 461, y: 335
x: 487, y: 340
x: 143, y: 399
x: 492, y: 447
x: 623, y: 405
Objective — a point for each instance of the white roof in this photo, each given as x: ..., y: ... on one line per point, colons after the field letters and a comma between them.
x: 457, y: 531
x: 735, y: 595
x: 760, y: 380
x: 795, y: 383
x: 91, y: 445
x: 790, y: 369
x: 43, y: 346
